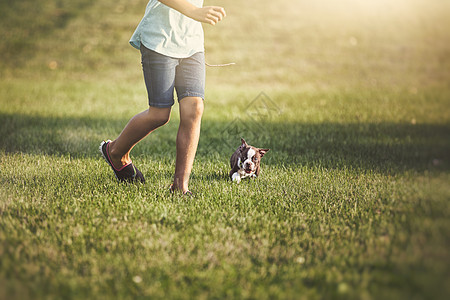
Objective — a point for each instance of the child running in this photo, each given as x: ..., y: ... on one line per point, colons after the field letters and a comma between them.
x: 171, y: 41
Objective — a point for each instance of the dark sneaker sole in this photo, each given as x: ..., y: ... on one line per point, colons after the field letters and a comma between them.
x: 128, y: 173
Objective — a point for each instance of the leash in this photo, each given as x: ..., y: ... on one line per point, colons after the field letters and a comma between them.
x: 220, y: 65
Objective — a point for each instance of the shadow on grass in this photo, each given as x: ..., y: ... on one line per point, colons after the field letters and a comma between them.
x: 383, y: 147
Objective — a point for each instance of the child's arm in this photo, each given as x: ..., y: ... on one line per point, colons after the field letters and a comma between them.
x: 208, y: 14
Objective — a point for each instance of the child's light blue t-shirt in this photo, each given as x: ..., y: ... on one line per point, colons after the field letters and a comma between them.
x: 168, y: 32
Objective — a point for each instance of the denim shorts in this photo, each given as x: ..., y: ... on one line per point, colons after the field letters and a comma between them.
x: 164, y: 74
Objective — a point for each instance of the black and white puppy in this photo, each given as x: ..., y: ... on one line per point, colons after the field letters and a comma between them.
x: 245, y: 161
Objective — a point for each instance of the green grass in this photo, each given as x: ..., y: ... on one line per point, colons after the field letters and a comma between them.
x: 353, y: 200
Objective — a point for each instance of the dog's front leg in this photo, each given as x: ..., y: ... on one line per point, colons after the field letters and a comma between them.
x: 236, y: 177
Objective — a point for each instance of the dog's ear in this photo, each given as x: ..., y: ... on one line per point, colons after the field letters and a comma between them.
x: 244, y: 143
x: 263, y: 151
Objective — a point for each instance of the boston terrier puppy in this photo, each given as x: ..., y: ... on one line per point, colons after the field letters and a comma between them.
x: 245, y: 161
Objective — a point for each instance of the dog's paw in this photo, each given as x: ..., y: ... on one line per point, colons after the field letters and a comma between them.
x: 236, y: 178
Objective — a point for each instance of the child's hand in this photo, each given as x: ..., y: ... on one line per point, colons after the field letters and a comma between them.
x: 208, y: 14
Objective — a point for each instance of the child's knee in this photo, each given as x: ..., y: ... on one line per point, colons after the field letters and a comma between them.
x: 191, y: 108
x: 159, y: 116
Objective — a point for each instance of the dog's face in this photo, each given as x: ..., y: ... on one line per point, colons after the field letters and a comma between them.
x: 250, y: 157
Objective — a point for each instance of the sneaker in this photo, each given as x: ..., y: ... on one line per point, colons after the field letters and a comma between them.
x: 128, y: 173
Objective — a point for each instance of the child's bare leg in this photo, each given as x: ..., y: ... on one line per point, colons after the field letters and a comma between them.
x: 137, y: 128
x: 191, y: 110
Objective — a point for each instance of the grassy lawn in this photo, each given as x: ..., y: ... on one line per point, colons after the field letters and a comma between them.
x: 352, y: 97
